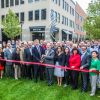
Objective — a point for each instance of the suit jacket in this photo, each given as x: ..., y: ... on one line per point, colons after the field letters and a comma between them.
x: 8, y: 56
x: 36, y: 55
x: 60, y: 58
x: 16, y: 57
x: 2, y: 57
x: 67, y: 56
x: 86, y: 60
x: 49, y: 59
x: 27, y: 55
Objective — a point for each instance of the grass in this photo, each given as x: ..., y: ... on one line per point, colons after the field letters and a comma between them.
x: 11, y: 89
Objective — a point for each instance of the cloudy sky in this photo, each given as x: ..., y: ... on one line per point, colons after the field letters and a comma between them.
x: 83, y: 3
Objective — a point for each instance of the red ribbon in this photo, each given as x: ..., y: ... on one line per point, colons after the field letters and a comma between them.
x: 49, y: 65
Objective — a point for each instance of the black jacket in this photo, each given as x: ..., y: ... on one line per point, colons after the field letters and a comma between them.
x: 2, y: 57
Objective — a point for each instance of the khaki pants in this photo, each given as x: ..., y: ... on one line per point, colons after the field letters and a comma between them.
x: 93, y: 80
x: 17, y: 71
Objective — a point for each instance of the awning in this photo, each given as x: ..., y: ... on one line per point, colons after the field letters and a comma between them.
x: 66, y: 31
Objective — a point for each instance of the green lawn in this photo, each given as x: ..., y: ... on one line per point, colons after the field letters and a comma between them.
x: 11, y: 89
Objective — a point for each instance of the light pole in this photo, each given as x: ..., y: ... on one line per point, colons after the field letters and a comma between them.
x: 21, y: 23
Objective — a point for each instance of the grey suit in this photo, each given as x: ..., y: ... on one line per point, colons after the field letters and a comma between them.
x: 85, y: 62
x: 8, y: 68
x: 49, y: 59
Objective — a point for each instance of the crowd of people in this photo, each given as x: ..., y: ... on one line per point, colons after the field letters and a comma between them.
x: 84, y: 55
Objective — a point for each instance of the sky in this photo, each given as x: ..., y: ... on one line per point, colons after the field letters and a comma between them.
x: 83, y: 3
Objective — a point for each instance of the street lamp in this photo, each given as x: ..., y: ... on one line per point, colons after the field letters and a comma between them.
x: 21, y: 23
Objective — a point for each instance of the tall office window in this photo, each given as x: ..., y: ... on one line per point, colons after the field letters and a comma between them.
x: 67, y: 7
x: 11, y: 2
x: 21, y: 1
x: 16, y: 2
x: 7, y: 3
x: 43, y: 14
x: 58, y: 17
x: 30, y: 1
x: 70, y: 9
x: 30, y: 15
x: 2, y: 17
x: 67, y: 21
x: 62, y: 19
x: 36, y: 14
x: 2, y: 3
x: 59, y: 2
x: 63, y: 3
x: 17, y: 14
x: 22, y: 17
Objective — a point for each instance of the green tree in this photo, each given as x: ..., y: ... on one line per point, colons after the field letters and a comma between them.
x: 11, y: 25
x: 92, y: 22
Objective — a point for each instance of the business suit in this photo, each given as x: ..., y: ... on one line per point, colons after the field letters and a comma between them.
x: 49, y: 59
x: 37, y: 53
x: 85, y: 63
x: 28, y: 58
x: 8, y: 56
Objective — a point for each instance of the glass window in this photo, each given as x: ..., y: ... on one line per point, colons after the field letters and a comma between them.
x: 58, y: 17
x: 70, y: 9
x: 16, y: 2
x: 67, y: 21
x: 55, y: 16
x: 21, y: 1
x: 43, y: 14
x: 22, y: 16
x: 30, y: 1
x: 62, y: 19
x: 59, y: 2
x: 30, y: 15
x: 63, y: 4
x: 67, y: 7
x: 2, y: 3
x: 17, y: 14
x: 11, y: 2
x: 7, y: 3
x: 2, y: 17
x: 36, y: 14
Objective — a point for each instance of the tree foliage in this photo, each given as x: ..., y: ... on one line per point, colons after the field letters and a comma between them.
x: 92, y: 22
x: 11, y: 25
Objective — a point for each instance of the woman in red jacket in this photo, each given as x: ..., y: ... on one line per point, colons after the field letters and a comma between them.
x: 74, y: 63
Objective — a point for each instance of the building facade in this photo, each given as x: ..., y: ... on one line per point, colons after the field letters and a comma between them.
x: 42, y: 19
x: 80, y: 16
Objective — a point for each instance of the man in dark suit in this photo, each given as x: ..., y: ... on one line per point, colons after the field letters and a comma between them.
x: 49, y: 59
x: 37, y: 53
x: 85, y: 63
x: 28, y: 58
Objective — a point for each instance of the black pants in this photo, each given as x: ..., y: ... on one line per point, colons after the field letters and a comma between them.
x: 74, y: 75
x: 30, y: 71
x: 38, y: 71
x: 67, y: 77
x: 85, y: 80
x: 49, y: 75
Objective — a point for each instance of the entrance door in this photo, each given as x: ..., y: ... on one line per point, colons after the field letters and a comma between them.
x: 38, y: 35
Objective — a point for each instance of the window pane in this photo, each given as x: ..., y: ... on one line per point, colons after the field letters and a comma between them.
x: 11, y: 2
x: 2, y: 3
x: 30, y: 15
x: 30, y: 1
x: 7, y: 3
x: 16, y: 2
x: 2, y: 17
x: 36, y: 14
x: 21, y: 1
x: 22, y: 16
x: 43, y: 14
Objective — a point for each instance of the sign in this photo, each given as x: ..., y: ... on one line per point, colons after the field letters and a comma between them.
x: 37, y: 28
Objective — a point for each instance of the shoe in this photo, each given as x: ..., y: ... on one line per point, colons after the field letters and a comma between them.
x: 92, y: 94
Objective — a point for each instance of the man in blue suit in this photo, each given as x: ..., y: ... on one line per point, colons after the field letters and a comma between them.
x: 28, y: 58
x: 37, y: 53
x: 85, y: 63
x: 8, y: 56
